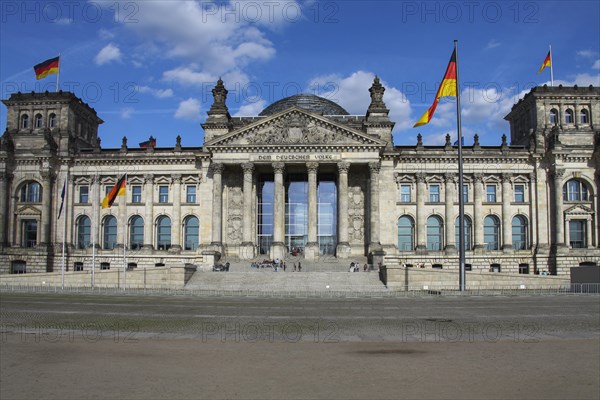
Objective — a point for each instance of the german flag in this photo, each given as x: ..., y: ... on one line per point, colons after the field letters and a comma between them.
x: 547, y: 62
x: 447, y: 89
x: 117, y: 190
x: 148, y: 143
x: 47, y: 67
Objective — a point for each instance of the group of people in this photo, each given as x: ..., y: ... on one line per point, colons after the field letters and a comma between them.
x: 276, y: 264
x: 355, y: 267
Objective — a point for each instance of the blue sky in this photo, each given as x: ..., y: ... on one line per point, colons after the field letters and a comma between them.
x: 148, y: 67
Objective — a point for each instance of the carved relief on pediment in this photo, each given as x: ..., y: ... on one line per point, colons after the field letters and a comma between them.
x: 296, y: 129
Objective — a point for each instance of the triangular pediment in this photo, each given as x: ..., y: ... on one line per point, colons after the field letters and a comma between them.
x: 29, y: 210
x: 579, y: 209
x: 295, y: 127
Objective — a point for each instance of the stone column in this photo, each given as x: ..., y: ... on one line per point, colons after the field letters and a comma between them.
x: 96, y: 206
x: 278, y: 247
x: 311, y: 250
x: 450, y: 193
x: 541, y: 208
x: 506, y: 220
x: 343, y: 246
x: 533, y: 233
x: 149, y: 215
x: 4, y: 179
x: 558, y: 209
x: 247, y: 233
x: 421, y: 221
x: 122, y: 221
x: 69, y: 212
x: 217, y: 215
x: 478, y: 210
x: 47, y: 178
x: 374, y: 243
x: 176, y: 224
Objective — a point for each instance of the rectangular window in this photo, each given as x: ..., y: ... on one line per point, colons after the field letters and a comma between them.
x: 465, y: 193
x: 405, y: 195
x: 29, y: 232
x: 434, y: 193
x: 163, y: 194
x: 577, y: 234
x: 519, y: 193
x: 190, y: 194
x: 523, y: 268
x: 136, y: 194
x: 107, y: 189
x: 84, y: 194
x: 490, y: 191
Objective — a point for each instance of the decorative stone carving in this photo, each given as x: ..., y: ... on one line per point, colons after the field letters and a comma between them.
x: 477, y: 177
x: 451, y: 178
x: 374, y: 167
x: 505, y: 177
x: 248, y: 168
x: 149, y: 178
x: 278, y: 167
x: 343, y: 167
x: 235, y: 213
x: 176, y: 178
x: 296, y: 129
x: 312, y: 167
x: 217, y: 168
x: 356, y: 214
x: 421, y: 177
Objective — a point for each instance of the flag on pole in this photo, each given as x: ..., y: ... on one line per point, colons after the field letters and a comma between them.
x: 447, y: 89
x: 148, y: 143
x: 62, y: 197
x: 462, y: 142
x: 547, y: 62
x: 47, y: 67
x: 117, y: 190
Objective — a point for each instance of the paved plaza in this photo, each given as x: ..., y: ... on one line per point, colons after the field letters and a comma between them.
x: 117, y: 347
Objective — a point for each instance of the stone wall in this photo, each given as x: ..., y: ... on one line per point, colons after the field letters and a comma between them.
x: 401, y: 278
x: 139, y: 278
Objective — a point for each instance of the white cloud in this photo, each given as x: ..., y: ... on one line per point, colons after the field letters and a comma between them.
x: 587, y: 53
x: 126, y: 112
x: 492, y: 44
x: 63, y: 21
x: 158, y: 93
x: 108, y: 54
x: 188, y: 109
x: 596, y: 64
x: 251, y: 109
x: 352, y: 93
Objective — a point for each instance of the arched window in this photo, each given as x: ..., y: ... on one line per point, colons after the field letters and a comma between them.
x: 434, y: 233
x: 575, y: 190
x: 568, y: 116
x: 24, y: 121
x: 136, y: 232
x: 84, y: 230
x: 163, y: 233
x: 39, y: 121
x: 553, y: 116
x: 468, y: 234
x: 52, y: 120
x: 584, y: 117
x: 491, y: 233
x: 31, y: 192
x: 406, y: 233
x: 519, y: 233
x: 110, y: 233
x: 191, y: 233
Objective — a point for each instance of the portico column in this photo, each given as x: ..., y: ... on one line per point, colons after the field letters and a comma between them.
x: 374, y: 244
x: 450, y: 194
x: 278, y: 247
x: 149, y: 208
x: 247, y: 234
x: 217, y: 214
x: 558, y: 208
x: 421, y: 223
x: 343, y: 247
x: 478, y: 210
x: 176, y: 237
x: 47, y: 178
x: 311, y: 250
x: 4, y: 178
x: 506, y: 220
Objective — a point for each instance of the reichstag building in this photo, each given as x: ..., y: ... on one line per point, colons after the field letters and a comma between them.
x: 302, y: 179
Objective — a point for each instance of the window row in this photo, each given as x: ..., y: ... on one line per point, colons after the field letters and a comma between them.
x: 38, y: 121
x: 435, y: 233
x: 136, y: 193
x: 162, y: 239
x: 569, y: 117
x: 491, y: 196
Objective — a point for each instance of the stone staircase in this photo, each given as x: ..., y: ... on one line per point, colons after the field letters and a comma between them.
x: 322, y: 279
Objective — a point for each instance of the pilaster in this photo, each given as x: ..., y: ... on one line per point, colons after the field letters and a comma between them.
x: 343, y: 246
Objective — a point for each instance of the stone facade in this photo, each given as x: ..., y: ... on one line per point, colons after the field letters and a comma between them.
x: 530, y: 205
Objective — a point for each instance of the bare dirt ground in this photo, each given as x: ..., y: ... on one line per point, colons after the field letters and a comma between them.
x: 498, y: 348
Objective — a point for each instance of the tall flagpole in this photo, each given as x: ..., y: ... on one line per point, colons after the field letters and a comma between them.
x: 551, y: 68
x: 125, y: 238
x: 58, y: 73
x: 94, y: 229
x: 64, y: 234
x: 461, y: 204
